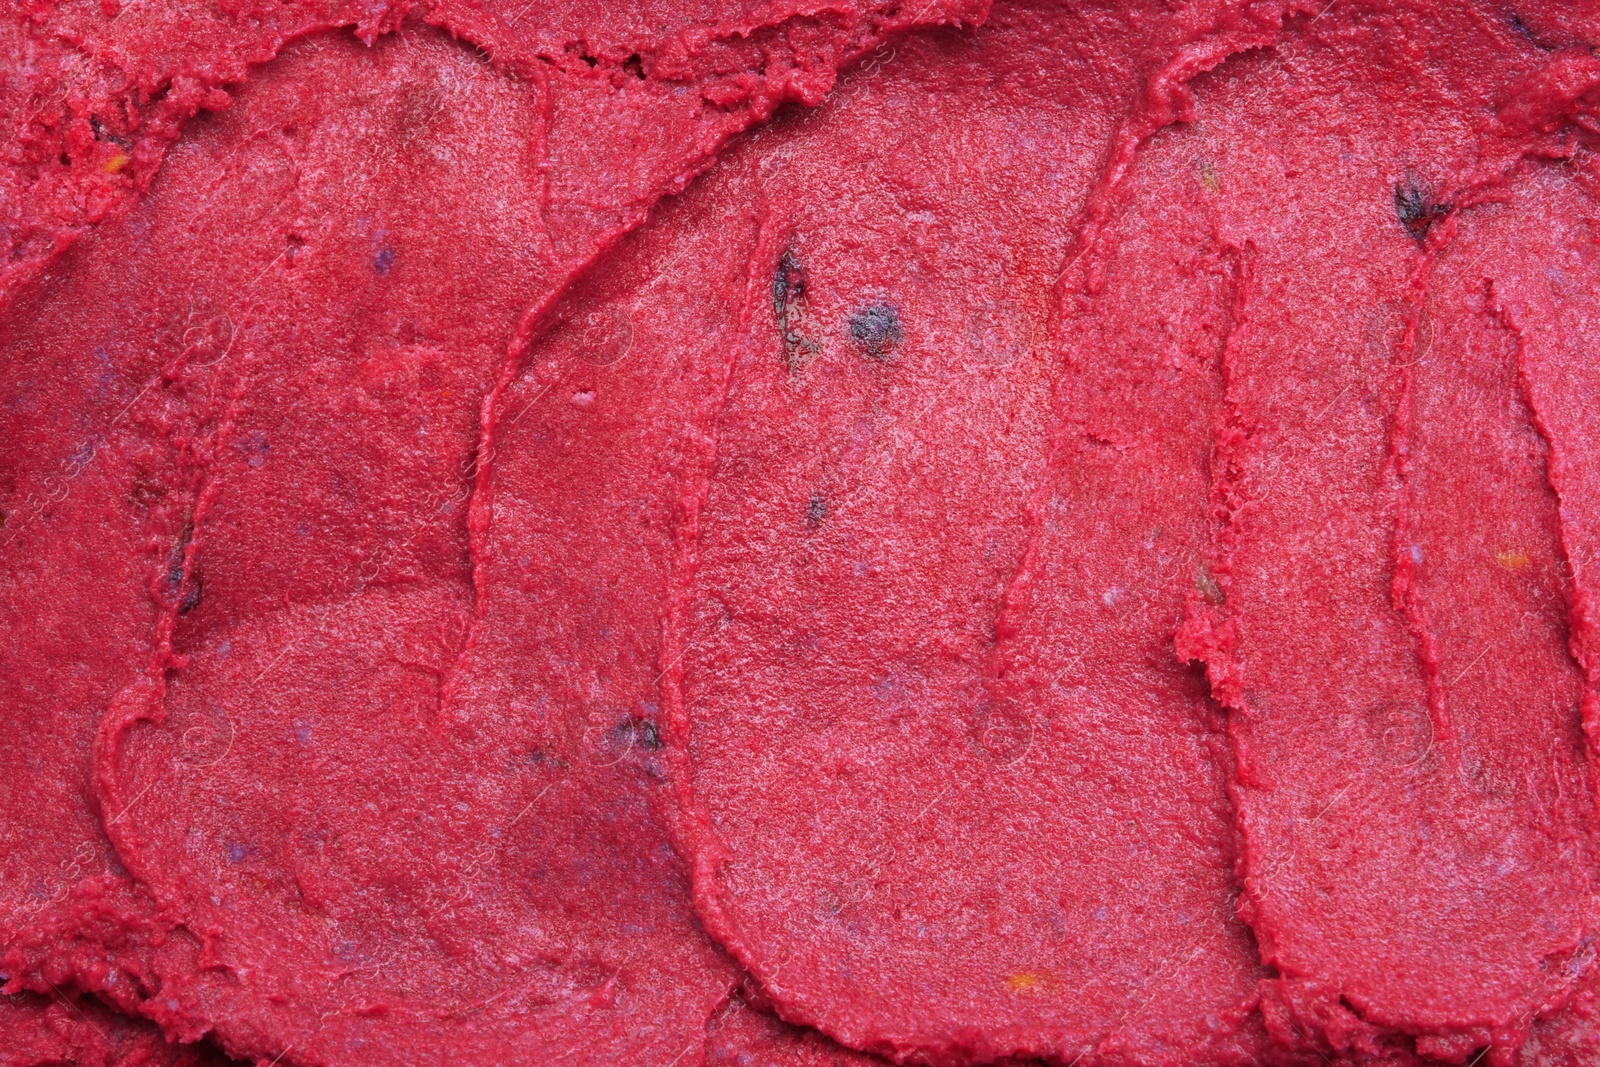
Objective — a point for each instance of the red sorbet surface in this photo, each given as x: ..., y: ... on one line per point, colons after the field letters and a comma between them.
x: 415, y: 172
x: 799, y: 535
x: 905, y: 858
x: 50, y: 1031
x: 741, y: 1036
x: 1391, y: 606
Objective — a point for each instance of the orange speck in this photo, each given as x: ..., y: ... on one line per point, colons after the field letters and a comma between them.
x: 1024, y: 982
x: 117, y: 162
x: 1513, y: 559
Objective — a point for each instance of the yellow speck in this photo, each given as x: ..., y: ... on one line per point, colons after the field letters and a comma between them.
x: 1208, y: 176
x: 1024, y: 982
x: 1513, y: 559
x: 117, y: 162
